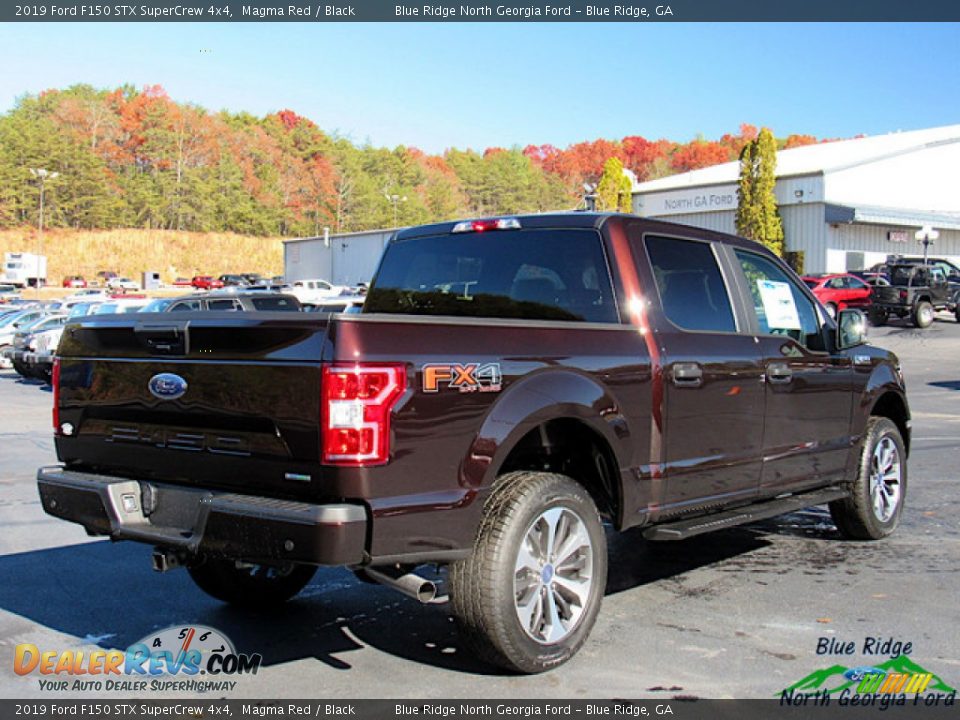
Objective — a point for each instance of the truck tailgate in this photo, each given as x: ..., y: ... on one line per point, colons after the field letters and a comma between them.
x: 221, y: 400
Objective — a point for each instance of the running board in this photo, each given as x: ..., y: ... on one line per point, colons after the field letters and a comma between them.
x: 683, y: 529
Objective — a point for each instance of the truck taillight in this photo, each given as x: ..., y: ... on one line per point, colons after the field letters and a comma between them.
x: 357, y: 402
x: 903, y: 294
x: 55, y: 384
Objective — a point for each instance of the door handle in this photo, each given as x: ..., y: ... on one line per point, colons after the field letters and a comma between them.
x: 779, y: 373
x: 687, y: 374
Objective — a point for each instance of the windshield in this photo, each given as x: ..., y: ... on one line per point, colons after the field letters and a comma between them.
x: 541, y: 274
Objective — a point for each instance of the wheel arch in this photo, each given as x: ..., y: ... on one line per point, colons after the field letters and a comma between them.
x: 892, y: 406
x: 559, y: 421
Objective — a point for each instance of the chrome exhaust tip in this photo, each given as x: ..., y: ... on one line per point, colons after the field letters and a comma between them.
x: 410, y: 584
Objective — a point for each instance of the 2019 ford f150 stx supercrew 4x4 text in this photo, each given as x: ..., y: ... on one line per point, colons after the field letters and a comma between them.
x: 510, y: 385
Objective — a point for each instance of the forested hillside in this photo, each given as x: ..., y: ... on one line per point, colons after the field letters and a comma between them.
x: 132, y: 158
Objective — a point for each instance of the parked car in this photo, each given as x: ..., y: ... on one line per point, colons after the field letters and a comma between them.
x: 104, y: 276
x: 8, y: 293
x: 41, y: 351
x: 337, y: 305
x: 839, y: 291
x: 183, y: 282
x: 252, y: 278
x: 124, y: 284
x: 74, y: 281
x: 9, y: 325
x: 233, y: 280
x: 511, y: 385
x: 25, y: 341
x: 314, y: 290
x: 915, y: 291
x: 206, y: 282
x: 157, y: 305
x: 249, y: 302
x: 82, y: 309
x: 88, y: 295
x: 121, y: 305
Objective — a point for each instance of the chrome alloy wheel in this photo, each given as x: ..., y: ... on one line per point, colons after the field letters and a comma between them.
x: 553, y: 575
x: 885, y: 479
x: 927, y: 315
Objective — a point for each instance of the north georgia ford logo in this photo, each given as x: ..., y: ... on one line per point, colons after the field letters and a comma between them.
x: 167, y: 386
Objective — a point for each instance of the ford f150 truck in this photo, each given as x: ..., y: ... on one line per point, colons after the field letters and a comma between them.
x: 511, y: 386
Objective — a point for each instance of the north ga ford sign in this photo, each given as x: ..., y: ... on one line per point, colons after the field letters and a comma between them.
x: 694, y: 200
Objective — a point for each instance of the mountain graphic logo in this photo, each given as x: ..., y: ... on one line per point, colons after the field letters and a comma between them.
x: 900, y: 674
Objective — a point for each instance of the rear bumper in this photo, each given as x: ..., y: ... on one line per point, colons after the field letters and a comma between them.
x: 199, y: 521
x: 38, y: 358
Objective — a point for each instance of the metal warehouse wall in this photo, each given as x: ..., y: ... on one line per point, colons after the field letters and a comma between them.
x: 350, y: 259
x: 803, y: 228
x: 872, y: 241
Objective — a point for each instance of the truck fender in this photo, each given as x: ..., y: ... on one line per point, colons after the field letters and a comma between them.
x: 545, y: 395
x: 883, y: 395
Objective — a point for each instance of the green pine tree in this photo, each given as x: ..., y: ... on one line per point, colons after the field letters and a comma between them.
x: 614, y: 191
x: 757, y: 215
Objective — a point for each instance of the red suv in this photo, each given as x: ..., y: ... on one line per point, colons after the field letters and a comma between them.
x: 206, y: 282
x: 840, y: 291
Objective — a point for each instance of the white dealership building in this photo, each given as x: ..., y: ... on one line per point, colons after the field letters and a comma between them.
x: 846, y: 205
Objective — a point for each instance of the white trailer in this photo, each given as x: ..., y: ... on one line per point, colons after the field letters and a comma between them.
x: 23, y: 269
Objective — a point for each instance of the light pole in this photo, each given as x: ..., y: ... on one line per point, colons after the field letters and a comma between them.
x: 926, y: 236
x: 395, y: 200
x: 42, y: 174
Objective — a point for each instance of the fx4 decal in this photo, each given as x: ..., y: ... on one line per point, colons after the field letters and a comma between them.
x: 465, y: 377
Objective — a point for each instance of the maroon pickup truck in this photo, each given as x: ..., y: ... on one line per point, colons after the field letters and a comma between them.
x: 512, y: 385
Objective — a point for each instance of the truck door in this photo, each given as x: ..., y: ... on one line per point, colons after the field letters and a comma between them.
x: 713, y: 397
x: 809, y: 391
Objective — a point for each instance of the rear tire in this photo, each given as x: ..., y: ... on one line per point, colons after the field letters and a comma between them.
x: 923, y: 314
x: 877, y: 493
x: 250, y: 585
x: 528, y: 596
x: 878, y: 318
x: 22, y: 369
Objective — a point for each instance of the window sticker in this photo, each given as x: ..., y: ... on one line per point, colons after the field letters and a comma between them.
x: 779, y: 305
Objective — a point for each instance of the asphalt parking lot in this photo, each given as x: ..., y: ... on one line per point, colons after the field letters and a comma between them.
x: 733, y: 614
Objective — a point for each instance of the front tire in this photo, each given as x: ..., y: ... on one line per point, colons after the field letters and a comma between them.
x: 877, y: 493
x: 250, y: 585
x: 923, y: 314
x: 529, y: 594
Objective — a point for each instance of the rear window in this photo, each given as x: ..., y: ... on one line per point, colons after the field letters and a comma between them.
x: 276, y: 303
x: 528, y: 274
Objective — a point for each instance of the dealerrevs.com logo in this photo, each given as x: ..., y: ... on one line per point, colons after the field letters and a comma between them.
x: 191, y: 658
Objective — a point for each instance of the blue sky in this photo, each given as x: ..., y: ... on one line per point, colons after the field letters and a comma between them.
x: 437, y: 85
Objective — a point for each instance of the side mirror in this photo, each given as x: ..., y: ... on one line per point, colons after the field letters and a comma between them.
x: 851, y: 329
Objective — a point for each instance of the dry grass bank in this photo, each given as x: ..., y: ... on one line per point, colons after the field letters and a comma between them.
x: 130, y: 252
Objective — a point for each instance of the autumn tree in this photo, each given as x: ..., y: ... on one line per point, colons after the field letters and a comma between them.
x: 757, y: 215
x: 614, y: 191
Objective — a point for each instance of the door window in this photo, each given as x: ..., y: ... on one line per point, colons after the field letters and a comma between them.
x: 691, y: 287
x: 780, y: 306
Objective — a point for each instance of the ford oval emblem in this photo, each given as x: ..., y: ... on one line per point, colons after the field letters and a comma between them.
x: 167, y: 386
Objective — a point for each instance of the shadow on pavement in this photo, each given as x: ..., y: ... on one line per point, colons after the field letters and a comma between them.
x: 105, y: 593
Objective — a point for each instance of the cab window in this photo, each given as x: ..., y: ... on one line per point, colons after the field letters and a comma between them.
x: 780, y: 306
x: 691, y: 287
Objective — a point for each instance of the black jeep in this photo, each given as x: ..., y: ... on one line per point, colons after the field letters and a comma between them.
x: 916, y: 291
